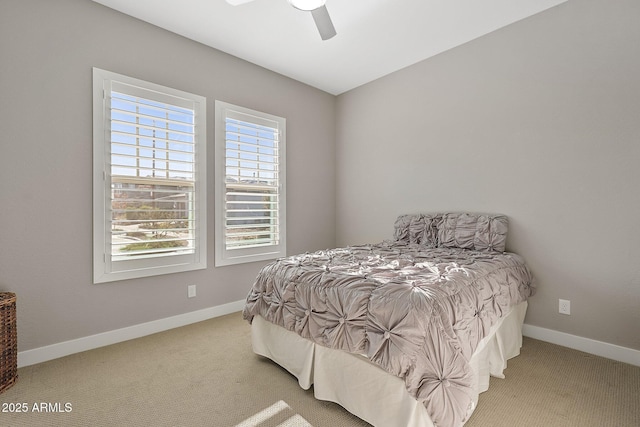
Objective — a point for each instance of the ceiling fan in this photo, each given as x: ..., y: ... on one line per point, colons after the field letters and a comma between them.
x: 318, y: 11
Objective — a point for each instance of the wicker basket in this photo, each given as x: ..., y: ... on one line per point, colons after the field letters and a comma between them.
x: 8, y: 341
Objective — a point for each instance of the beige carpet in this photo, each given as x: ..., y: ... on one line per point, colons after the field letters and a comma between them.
x: 206, y: 375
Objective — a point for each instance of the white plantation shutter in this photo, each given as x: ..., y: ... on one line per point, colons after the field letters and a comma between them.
x: 153, y: 154
x: 251, y: 183
x: 250, y: 217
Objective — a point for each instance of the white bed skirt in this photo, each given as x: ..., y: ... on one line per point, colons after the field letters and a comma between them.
x: 357, y: 384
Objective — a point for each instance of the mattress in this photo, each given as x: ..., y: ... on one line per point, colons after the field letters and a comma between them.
x: 366, y: 390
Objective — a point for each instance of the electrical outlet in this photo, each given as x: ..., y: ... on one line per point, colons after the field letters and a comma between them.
x: 564, y: 306
x: 191, y: 291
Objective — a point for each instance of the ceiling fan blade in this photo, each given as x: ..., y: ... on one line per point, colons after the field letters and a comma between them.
x: 323, y: 22
x: 238, y: 2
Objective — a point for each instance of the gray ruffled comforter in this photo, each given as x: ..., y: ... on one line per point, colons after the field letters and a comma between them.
x: 417, y: 312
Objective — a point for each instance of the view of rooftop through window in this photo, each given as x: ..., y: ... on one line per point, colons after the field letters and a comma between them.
x: 152, y: 177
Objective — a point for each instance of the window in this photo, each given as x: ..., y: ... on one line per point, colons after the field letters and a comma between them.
x: 149, y: 180
x: 250, y: 185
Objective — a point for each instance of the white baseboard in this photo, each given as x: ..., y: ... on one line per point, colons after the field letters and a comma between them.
x: 598, y: 348
x: 54, y: 351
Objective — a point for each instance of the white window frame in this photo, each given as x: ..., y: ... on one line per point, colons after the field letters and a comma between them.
x: 229, y: 256
x: 108, y: 268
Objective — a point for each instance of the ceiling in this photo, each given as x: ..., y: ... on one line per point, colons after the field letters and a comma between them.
x: 375, y: 37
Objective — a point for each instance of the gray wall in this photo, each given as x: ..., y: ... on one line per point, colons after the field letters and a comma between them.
x: 540, y: 121
x: 47, y: 51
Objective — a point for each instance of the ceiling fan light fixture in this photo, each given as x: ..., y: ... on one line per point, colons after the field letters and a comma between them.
x: 307, y: 5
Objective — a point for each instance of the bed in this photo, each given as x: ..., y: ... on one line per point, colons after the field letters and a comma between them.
x: 404, y: 332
